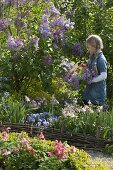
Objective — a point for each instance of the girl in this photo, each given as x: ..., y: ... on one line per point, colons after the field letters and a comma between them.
x: 95, y: 92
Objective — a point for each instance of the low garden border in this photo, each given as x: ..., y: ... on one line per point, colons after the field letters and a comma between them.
x: 79, y: 140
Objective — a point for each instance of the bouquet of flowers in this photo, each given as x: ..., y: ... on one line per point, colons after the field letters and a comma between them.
x: 78, y: 72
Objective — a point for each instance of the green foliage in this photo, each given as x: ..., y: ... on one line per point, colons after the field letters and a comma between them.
x: 12, y: 110
x: 96, y: 124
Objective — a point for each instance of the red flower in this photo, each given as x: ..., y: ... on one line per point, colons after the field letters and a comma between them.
x: 32, y: 151
x: 41, y: 136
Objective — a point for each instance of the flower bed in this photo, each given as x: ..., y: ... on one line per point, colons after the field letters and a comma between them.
x: 18, y: 151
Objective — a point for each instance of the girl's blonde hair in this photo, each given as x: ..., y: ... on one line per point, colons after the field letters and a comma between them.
x: 95, y: 41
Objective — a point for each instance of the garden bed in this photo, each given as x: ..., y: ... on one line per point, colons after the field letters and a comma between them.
x: 79, y: 140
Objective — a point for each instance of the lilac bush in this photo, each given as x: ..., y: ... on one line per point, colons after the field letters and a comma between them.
x: 30, y: 32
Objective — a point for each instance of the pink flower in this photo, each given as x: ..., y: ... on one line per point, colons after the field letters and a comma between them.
x: 4, y: 136
x: 60, y: 150
x: 25, y: 141
x: 73, y: 149
x: 49, y: 153
x: 6, y: 152
x: 41, y: 136
x: 27, y: 147
x: 17, y: 149
x: 7, y: 129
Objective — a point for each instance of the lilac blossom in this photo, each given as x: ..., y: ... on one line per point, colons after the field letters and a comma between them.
x: 45, y: 29
x: 36, y: 41
x: 53, y: 10
x: 77, y: 49
x: 88, y: 75
x: 48, y: 60
x: 75, y: 80
x: 69, y: 25
x: 4, y: 23
x: 58, y: 22
x: 19, y: 23
x: 14, y: 43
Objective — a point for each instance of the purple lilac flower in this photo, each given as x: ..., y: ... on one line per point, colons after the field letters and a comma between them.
x: 75, y: 80
x: 36, y: 41
x: 54, y: 11
x: 57, y: 35
x: 7, y: 1
x: 67, y: 76
x: 68, y: 14
x: 48, y: 60
x: 6, y: 94
x: 45, y: 29
x: 19, y: 23
x: 4, y: 23
x: 58, y: 22
x: 77, y: 49
x: 88, y: 75
x: 69, y: 25
x: 14, y: 43
x: 66, y: 64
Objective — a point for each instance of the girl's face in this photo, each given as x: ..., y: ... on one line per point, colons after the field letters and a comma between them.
x: 91, y: 49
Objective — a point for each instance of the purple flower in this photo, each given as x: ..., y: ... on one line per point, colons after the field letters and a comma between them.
x: 45, y: 29
x: 74, y: 80
x: 19, y: 23
x: 69, y: 25
x: 38, y: 124
x: 68, y: 14
x: 31, y: 119
x: 48, y: 60
x: 7, y: 1
x: 45, y: 123
x: 88, y: 75
x: 58, y: 22
x: 14, y: 43
x: 4, y: 23
x: 54, y: 11
x: 77, y: 49
x: 36, y: 41
x: 6, y: 94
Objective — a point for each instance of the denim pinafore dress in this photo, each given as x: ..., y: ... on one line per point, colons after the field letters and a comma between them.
x: 96, y: 92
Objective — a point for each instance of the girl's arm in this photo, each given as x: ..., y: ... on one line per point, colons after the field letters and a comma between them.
x: 101, y: 77
x: 102, y: 69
